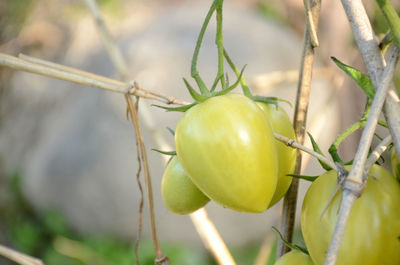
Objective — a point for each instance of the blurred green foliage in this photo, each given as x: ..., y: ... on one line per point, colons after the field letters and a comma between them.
x: 12, y: 16
x: 49, y: 237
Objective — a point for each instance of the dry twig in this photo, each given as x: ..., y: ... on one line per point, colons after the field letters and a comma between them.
x: 354, y: 184
x: 303, y: 92
x: 19, y: 257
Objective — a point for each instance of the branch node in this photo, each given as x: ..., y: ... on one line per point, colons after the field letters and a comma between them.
x: 164, y: 260
x: 353, y: 187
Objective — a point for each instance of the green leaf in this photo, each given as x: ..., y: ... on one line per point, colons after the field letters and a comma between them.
x: 216, y: 82
x: 360, y: 78
x: 170, y: 153
x: 228, y: 89
x: 318, y: 150
x: 308, y: 178
x: 171, y: 131
x: 334, y: 154
x: 179, y: 109
x: 270, y: 100
x: 291, y: 245
x: 196, y: 96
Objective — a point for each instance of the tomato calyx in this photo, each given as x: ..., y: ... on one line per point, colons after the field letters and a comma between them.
x: 169, y: 153
x: 291, y: 245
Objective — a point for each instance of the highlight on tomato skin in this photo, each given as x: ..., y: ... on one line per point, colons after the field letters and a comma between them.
x: 281, y: 124
x: 178, y: 192
x: 295, y: 257
x: 227, y: 148
x: 373, y: 229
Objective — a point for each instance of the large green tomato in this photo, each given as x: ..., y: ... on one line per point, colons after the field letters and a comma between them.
x: 228, y: 150
x: 294, y: 257
x: 281, y: 124
x: 395, y: 164
x: 179, y: 193
x: 373, y: 229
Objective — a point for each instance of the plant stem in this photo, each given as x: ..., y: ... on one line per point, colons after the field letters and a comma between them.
x: 355, y: 182
x: 220, y: 45
x: 374, y: 63
x: 19, y: 257
x: 301, y: 108
x: 392, y: 19
x: 245, y: 87
x: 57, y: 71
x: 194, y: 72
x: 374, y: 156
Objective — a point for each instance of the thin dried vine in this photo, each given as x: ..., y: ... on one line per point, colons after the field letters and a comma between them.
x: 312, y: 8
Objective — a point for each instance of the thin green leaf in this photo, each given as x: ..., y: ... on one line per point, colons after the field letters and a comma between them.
x: 216, y: 82
x: 270, y: 100
x: 196, y: 96
x: 308, y: 178
x: 226, y: 90
x: 360, y: 78
x: 170, y: 153
x: 334, y: 154
x: 178, y: 109
x: 291, y: 245
x: 245, y: 88
x: 171, y: 131
x: 318, y: 150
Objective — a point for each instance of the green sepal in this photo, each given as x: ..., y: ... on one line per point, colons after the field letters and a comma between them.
x: 308, y: 178
x: 171, y: 131
x: 270, y: 100
x: 169, y: 153
x: 291, y: 245
x: 196, y: 96
x: 360, y: 78
x: 334, y: 154
x: 318, y: 150
x: 216, y: 82
x: 230, y: 88
x: 245, y: 88
x: 179, y: 109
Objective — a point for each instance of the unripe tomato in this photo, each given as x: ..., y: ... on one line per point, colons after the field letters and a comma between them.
x: 281, y: 124
x: 179, y: 193
x: 373, y: 229
x: 395, y: 164
x: 228, y: 150
x: 294, y: 257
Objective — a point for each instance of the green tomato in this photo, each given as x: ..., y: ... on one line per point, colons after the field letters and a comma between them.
x: 281, y: 124
x: 179, y: 193
x: 294, y: 257
x: 228, y: 150
x: 373, y: 229
x: 395, y: 164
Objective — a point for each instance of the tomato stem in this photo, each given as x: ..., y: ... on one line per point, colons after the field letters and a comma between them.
x: 243, y: 84
x: 194, y: 72
x: 219, y: 42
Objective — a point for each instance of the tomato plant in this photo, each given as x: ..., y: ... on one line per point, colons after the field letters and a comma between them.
x: 179, y: 193
x: 294, y: 257
x: 395, y: 164
x: 228, y: 149
x: 373, y: 229
x: 281, y: 124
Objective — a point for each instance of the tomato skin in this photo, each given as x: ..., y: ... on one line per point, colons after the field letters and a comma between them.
x: 179, y: 193
x: 373, y: 228
x: 294, y: 257
x: 395, y: 164
x: 281, y: 124
x: 228, y: 150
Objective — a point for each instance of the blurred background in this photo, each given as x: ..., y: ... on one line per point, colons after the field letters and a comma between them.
x: 68, y: 155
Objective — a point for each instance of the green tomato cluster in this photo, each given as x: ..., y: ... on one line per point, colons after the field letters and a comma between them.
x: 227, y: 149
